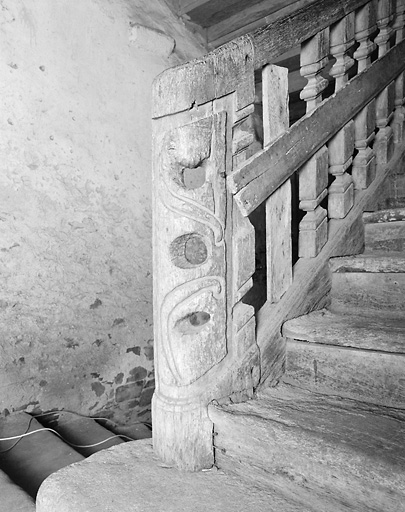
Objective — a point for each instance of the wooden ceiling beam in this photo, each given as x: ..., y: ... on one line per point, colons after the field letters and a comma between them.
x: 251, y: 18
x: 185, y: 6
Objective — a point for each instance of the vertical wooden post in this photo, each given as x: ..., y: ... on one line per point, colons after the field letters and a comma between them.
x: 341, y: 40
x: 398, y: 123
x: 278, y: 206
x: 364, y: 164
x: 365, y: 25
x: 313, y: 182
x: 384, y: 140
x: 205, y: 345
x: 313, y: 176
x: 385, y: 15
x: 341, y: 146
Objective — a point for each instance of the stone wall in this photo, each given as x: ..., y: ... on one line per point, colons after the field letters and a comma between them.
x: 75, y: 201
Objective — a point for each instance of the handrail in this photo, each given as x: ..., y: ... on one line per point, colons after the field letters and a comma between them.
x: 258, y: 177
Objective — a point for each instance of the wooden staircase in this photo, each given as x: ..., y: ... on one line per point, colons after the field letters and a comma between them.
x: 331, y: 435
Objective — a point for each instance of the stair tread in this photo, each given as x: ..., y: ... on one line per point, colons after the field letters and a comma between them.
x: 370, y: 261
x: 13, y: 498
x: 388, y: 215
x: 129, y: 476
x: 385, y: 236
x: 34, y: 457
x: 346, y: 330
x: 81, y: 432
x: 317, y: 442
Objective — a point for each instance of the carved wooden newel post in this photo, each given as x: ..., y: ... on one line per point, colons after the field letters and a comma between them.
x: 203, y: 251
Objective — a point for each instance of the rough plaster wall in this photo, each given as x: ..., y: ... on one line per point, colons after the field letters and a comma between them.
x: 75, y: 207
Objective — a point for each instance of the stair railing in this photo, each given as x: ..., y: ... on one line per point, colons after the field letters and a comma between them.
x: 209, y: 180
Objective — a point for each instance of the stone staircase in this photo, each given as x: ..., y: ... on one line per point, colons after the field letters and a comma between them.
x: 331, y: 436
x: 25, y: 462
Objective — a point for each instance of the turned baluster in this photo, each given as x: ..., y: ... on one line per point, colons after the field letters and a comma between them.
x: 385, y: 15
x: 398, y: 123
x: 364, y: 164
x: 341, y: 40
x: 341, y: 146
x: 313, y: 176
x: 365, y: 25
x: 314, y: 58
x: 313, y: 182
x: 384, y: 140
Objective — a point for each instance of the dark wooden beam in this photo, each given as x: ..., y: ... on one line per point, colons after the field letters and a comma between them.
x: 231, y: 24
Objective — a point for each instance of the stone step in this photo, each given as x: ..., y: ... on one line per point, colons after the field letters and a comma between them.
x: 34, y: 457
x: 130, y: 478
x: 12, y: 497
x: 385, y: 236
x: 370, y: 284
x: 327, y: 453
x: 84, y: 434
x: 389, y: 215
x: 372, y: 262
x: 353, y: 356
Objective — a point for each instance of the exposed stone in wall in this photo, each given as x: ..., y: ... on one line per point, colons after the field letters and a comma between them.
x: 75, y: 207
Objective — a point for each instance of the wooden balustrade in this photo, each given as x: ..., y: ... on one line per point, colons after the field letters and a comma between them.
x: 210, y: 174
x: 399, y: 114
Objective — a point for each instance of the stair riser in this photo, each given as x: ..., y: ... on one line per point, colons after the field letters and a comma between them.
x: 370, y: 292
x: 273, y: 455
x: 385, y: 236
x: 364, y: 375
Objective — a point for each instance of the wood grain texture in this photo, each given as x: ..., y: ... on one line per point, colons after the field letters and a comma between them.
x: 373, y: 377
x: 369, y: 262
x: 267, y: 170
x: 385, y: 237
x: 219, y: 34
x: 378, y: 294
x: 278, y: 206
x: 345, y: 330
x: 304, y: 443
x: 388, y: 215
x: 288, y: 32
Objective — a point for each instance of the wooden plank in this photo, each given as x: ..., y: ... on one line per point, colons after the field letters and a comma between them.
x: 223, y: 27
x: 185, y: 6
x: 285, y: 33
x: 227, y: 70
x: 309, y: 290
x: 278, y: 206
x: 223, y: 11
x: 267, y: 170
x: 255, y: 25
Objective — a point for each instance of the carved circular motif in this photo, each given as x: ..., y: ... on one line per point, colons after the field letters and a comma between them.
x: 188, y: 251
